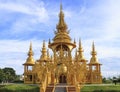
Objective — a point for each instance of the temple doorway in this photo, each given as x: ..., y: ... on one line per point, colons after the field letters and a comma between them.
x: 62, y: 78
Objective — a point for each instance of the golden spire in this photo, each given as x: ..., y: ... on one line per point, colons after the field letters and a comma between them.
x: 80, y: 50
x: 43, y: 43
x: 62, y: 34
x: 30, y: 59
x: 30, y: 53
x: 44, y: 52
x: 93, y: 50
x: 94, y: 59
x: 80, y: 46
x: 61, y: 7
x: 61, y: 24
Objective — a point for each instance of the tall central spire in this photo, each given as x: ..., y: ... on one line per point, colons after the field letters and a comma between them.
x: 61, y: 24
x: 61, y: 7
x: 61, y: 34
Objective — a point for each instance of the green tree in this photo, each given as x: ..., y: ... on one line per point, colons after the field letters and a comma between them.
x: 9, y: 74
x: 104, y: 80
x: 119, y: 78
x: 114, y: 80
x: 1, y: 75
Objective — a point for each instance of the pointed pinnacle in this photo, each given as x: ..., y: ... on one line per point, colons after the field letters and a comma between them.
x: 43, y: 43
x: 93, y: 47
x: 61, y: 6
x: 80, y: 44
x: 30, y: 46
x: 30, y: 53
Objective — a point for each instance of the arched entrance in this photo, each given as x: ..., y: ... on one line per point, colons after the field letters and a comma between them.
x: 62, y: 78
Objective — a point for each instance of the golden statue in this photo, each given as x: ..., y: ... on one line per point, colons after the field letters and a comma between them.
x: 62, y: 67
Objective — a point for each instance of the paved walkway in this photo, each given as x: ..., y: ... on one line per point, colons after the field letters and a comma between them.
x: 60, y: 89
x: 61, y: 85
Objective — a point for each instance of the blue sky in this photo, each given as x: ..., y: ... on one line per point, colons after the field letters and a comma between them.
x: 22, y: 21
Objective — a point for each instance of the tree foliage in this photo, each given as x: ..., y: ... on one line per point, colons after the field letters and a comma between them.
x: 7, y: 74
x: 1, y: 75
x: 111, y: 79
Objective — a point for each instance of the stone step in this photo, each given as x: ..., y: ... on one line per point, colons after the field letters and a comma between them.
x: 49, y: 89
x: 71, y: 89
x: 60, y: 89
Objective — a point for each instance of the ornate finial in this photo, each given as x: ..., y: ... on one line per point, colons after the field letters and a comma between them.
x: 30, y: 53
x: 61, y: 6
x: 93, y: 49
x: 30, y: 45
x: 80, y: 51
x: 80, y: 46
x: 44, y: 52
x: 61, y: 24
x: 93, y: 59
x: 30, y: 59
x: 43, y: 43
x: 43, y: 48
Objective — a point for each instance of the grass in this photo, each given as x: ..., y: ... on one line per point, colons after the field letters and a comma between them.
x: 19, y: 88
x: 101, y: 88
x: 34, y: 88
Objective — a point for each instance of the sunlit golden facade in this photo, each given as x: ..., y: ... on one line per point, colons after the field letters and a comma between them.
x: 62, y: 66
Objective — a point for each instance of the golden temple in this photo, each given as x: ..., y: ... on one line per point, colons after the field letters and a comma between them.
x: 62, y: 66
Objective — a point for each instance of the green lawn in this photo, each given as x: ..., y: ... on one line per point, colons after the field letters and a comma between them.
x: 35, y: 88
x: 19, y: 88
x: 101, y: 88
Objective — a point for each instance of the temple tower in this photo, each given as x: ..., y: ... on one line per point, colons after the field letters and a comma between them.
x: 94, y: 67
x: 61, y: 66
x: 62, y: 40
x: 28, y: 66
x: 62, y: 47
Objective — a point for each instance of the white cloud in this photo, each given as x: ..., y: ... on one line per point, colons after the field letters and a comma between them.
x: 25, y: 15
x: 100, y: 20
x: 33, y: 8
x: 14, y: 53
